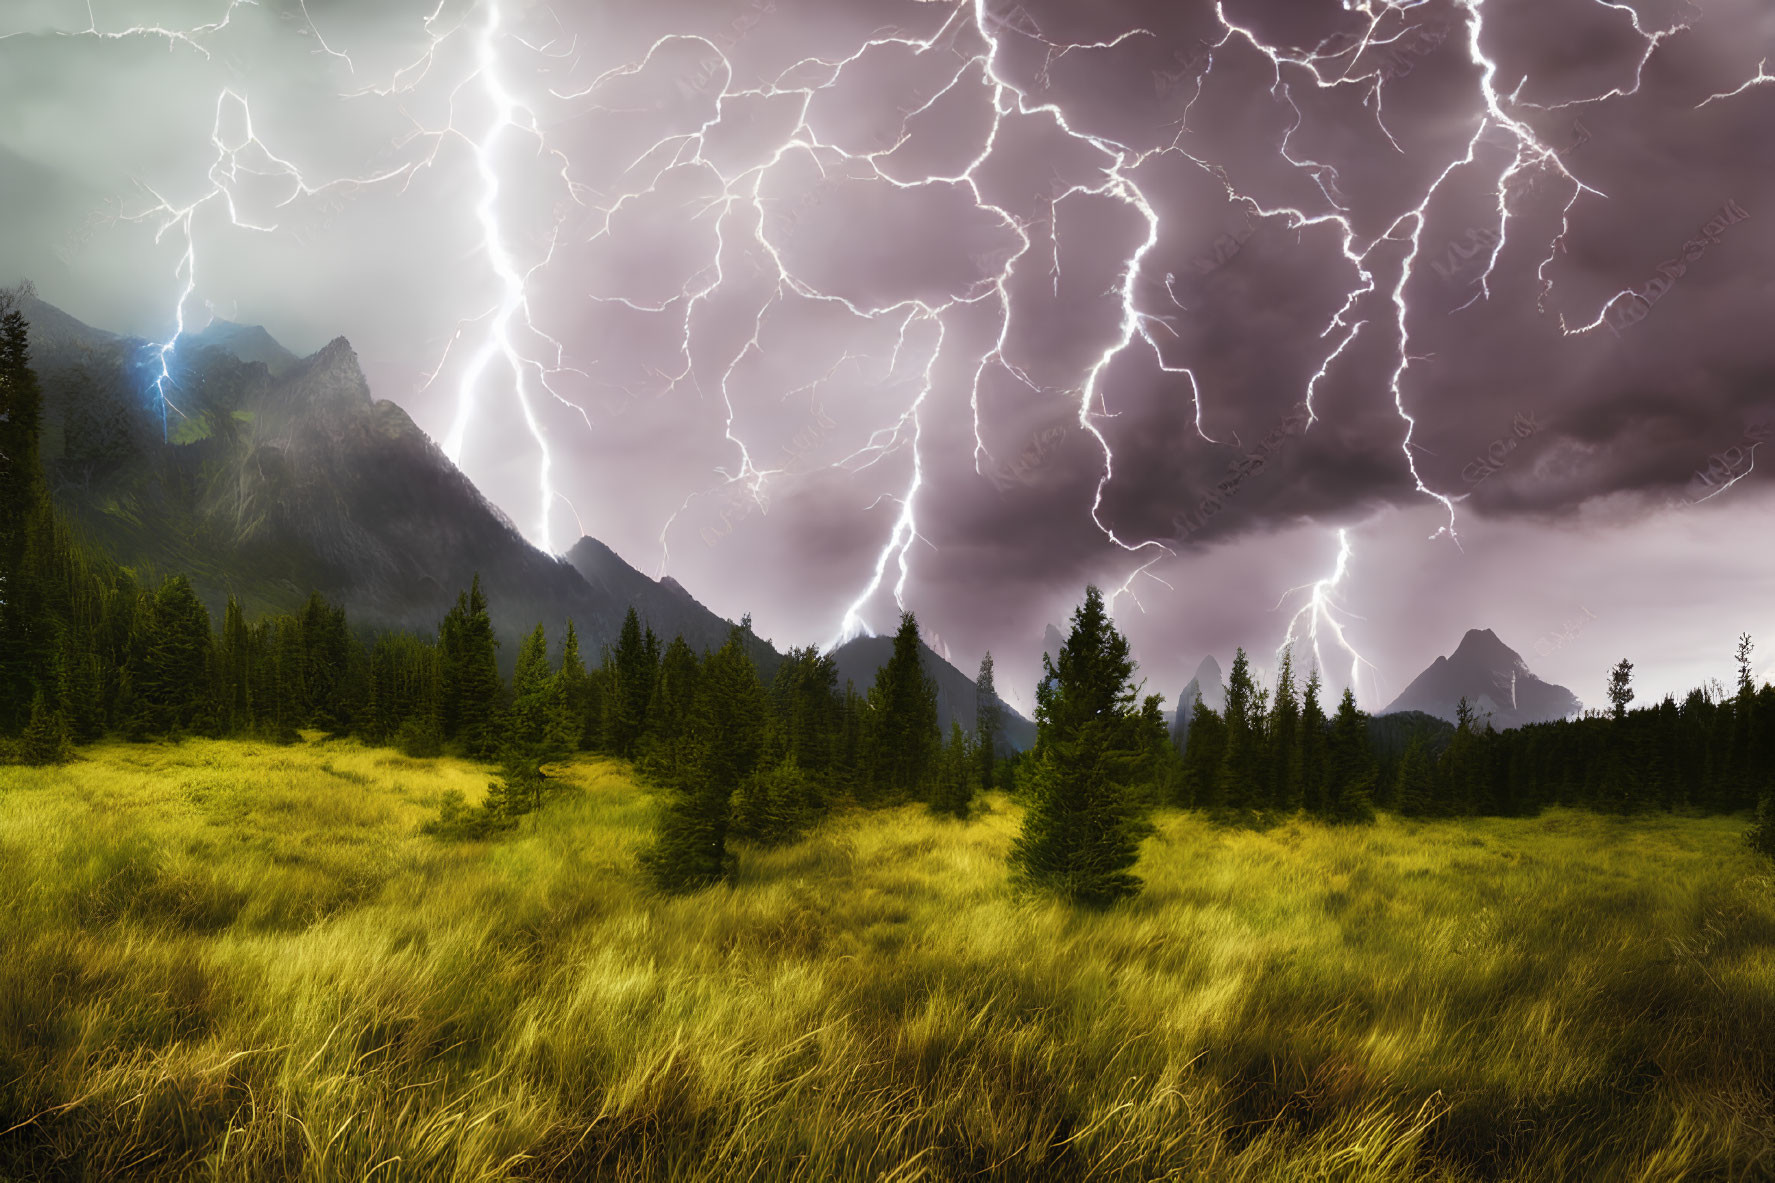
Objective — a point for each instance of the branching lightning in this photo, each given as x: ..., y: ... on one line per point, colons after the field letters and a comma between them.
x: 493, y: 106
x: 1320, y: 611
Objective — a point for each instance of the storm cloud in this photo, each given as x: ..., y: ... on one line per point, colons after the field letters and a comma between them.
x: 788, y: 264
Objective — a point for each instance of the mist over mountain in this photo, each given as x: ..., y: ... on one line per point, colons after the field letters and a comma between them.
x: 1493, y: 678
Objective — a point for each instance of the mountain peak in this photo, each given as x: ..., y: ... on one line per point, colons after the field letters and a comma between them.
x: 1207, y: 685
x: 332, y: 378
x: 249, y: 343
x: 1494, y: 680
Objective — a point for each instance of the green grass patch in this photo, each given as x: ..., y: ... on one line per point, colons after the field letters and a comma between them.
x: 237, y: 961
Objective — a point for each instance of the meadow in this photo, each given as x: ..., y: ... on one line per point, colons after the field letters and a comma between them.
x: 233, y: 961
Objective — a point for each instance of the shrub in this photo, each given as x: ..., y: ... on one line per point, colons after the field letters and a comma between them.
x: 420, y: 739
x: 776, y: 805
x: 1762, y: 830
x: 459, y: 821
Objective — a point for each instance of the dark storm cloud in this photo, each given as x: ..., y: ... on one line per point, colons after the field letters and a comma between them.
x: 757, y: 441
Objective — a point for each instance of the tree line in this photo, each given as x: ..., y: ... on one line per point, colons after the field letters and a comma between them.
x: 87, y: 651
x: 1273, y: 751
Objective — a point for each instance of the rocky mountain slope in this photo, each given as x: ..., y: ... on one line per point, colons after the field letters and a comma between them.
x: 1494, y: 679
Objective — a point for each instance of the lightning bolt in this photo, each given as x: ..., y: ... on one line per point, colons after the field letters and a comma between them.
x: 1320, y: 611
x: 240, y: 157
x: 924, y: 339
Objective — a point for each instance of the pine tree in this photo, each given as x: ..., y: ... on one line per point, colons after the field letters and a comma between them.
x: 849, y: 751
x: 807, y: 708
x: 1621, y: 687
x: 1349, y: 765
x: 631, y: 687
x: 174, y: 672
x: 726, y: 735
x: 1457, y: 771
x: 1414, y: 792
x: 25, y: 627
x: 1079, y: 837
x: 46, y: 735
x: 1161, y: 765
x: 234, y: 670
x: 1762, y: 831
x: 988, y: 721
x: 959, y: 773
x: 469, y: 685
x: 469, y: 681
x: 1310, y: 757
x: 533, y: 714
x: 326, y: 655
x: 1241, y: 773
x: 902, y: 740
x: 775, y: 804
x: 665, y: 749
x: 1204, y: 754
x: 1285, y: 792
x: 574, y: 697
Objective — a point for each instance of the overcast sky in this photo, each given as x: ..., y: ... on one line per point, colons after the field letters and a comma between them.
x: 809, y: 297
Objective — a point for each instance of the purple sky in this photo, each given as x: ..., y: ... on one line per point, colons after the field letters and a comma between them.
x: 775, y: 270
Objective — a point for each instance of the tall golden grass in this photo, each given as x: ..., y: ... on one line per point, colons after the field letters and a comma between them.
x: 221, y: 960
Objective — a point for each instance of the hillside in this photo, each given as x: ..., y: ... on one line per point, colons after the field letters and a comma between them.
x: 279, y: 476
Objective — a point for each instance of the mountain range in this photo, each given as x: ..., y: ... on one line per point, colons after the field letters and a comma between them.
x: 279, y: 475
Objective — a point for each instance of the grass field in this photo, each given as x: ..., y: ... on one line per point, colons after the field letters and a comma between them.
x: 229, y: 961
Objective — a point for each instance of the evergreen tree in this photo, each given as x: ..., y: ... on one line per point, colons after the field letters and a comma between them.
x: 1349, y: 765
x: 958, y: 776
x: 326, y: 653
x: 1457, y: 771
x: 902, y: 741
x: 46, y: 735
x: 1204, y: 754
x: 988, y: 721
x: 535, y: 716
x: 848, y: 755
x: 633, y: 669
x: 234, y: 669
x: 726, y: 735
x: 1161, y: 765
x: 1079, y: 837
x: 1310, y: 757
x: 665, y: 749
x: 807, y: 708
x: 1285, y: 793
x: 574, y: 698
x: 25, y: 626
x: 174, y: 674
x: 1621, y: 687
x: 1762, y: 831
x: 1414, y: 793
x: 1241, y: 773
x: 775, y: 804
x: 469, y: 685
